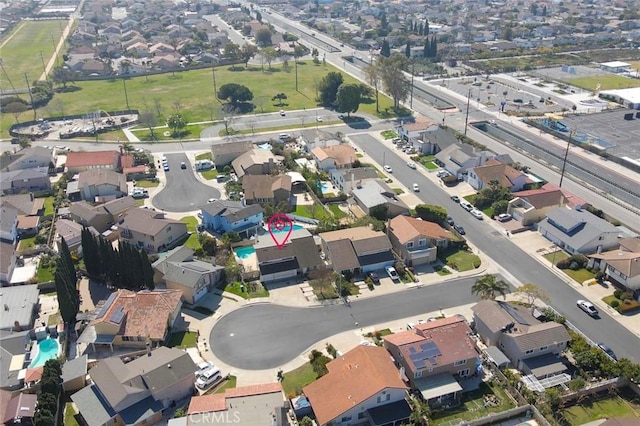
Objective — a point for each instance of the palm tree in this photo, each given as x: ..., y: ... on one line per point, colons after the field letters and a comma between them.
x: 489, y: 286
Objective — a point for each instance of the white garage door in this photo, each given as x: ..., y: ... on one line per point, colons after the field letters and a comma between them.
x: 279, y: 275
x: 199, y: 294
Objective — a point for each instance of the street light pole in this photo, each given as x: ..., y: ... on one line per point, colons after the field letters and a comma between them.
x: 564, y: 162
x: 466, y: 118
x: 413, y: 68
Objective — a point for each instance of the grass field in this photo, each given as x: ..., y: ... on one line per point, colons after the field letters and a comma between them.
x: 607, y: 82
x: 182, y: 339
x: 25, y: 49
x: 607, y: 408
x: 295, y: 380
x: 192, y: 223
x: 581, y: 275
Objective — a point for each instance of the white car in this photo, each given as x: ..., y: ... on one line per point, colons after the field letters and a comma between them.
x: 320, y: 120
x: 411, y: 165
x: 466, y: 205
x: 388, y: 169
x: 208, y: 377
x: 587, y: 307
x: 504, y: 217
x: 393, y: 274
x: 282, y: 113
x: 416, y: 188
x: 477, y: 214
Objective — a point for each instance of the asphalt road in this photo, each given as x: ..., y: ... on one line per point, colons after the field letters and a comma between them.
x: 262, y: 336
x: 183, y: 192
x: 519, y: 266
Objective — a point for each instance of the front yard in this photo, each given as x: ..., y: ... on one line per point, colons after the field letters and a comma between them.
x: 248, y: 290
x: 296, y: 379
x: 182, y: 339
x: 192, y: 222
x: 474, y: 406
x: 460, y: 260
x: 209, y: 174
x: 580, y: 275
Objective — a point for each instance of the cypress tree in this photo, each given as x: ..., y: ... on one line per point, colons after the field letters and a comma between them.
x: 420, y: 29
x: 385, y: 49
x: 434, y: 47
x: 426, y: 27
x: 407, y: 50
x: 65, y: 281
x: 426, y: 51
x: 147, y: 271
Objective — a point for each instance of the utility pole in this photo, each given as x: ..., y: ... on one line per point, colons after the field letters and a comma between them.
x: 44, y: 68
x: 215, y: 87
x: 126, y: 96
x: 564, y: 162
x: 466, y: 118
x: 413, y: 68
x: 26, y: 79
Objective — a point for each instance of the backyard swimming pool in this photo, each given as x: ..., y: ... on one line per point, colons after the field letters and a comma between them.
x: 286, y: 228
x: 244, y: 252
x: 47, y: 349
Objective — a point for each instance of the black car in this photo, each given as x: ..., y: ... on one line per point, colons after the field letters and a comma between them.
x: 450, y: 220
x: 455, y: 198
x: 459, y: 229
x: 606, y: 349
x: 374, y: 277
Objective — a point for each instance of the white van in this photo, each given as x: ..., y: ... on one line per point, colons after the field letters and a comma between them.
x: 284, y: 137
x: 208, y: 377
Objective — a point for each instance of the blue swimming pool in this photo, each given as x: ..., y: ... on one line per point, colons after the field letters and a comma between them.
x: 324, y: 185
x: 47, y: 349
x: 286, y: 228
x: 244, y: 252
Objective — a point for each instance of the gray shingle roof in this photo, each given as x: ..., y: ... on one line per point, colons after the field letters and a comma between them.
x: 74, y: 368
x: 234, y: 211
x: 147, y: 221
x: 188, y: 273
x: 575, y: 227
x: 95, y: 410
x: 19, y: 302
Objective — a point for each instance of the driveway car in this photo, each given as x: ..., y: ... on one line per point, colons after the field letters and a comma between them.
x: 374, y: 277
x: 504, y: 217
x: 442, y: 173
x: 606, y: 349
x: 455, y: 198
x: 393, y: 274
x: 459, y: 229
x: 477, y: 214
x: 416, y: 188
x: 588, y: 308
x: 411, y: 165
x: 208, y: 377
x: 388, y: 169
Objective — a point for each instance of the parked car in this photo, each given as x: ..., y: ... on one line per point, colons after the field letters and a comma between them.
x: 166, y: 167
x: 320, y: 120
x: 183, y: 165
x: 411, y: 165
x: 450, y: 220
x: 204, y: 366
x: 504, y: 217
x: 466, y: 205
x: 442, y: 173
x: 374, y: 277
x: 588, y: 308
x: 455, y: 198
x: 477, y: 214
x: 606, y: 349
x: 208, y: 377
x: 388, y: 169
x: 416, y: 188
x: 282, y: 113
x: 393, y: 274
x: 459, y: 229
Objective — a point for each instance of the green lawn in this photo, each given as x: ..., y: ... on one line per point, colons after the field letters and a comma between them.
x: 27, y: 243
x: 296, y: 379
x: 147, y: 184
x: 442, y: 271
x: 473, y: 406
x: 337, y: 213
x: 209, y: 174
x: 323, y: 289
x: 44, y: 274
x: 27, y: 46
x: 194, y: 92
x: 49, y: 209
x: 398, y: 191
x: 580, y: 276
x: 251, y: 290
x: 192, y: 222
x: 230, y: 383
x: 426, y: 161
x: 389, y: 134
x: 69, y: 413
x: 204, y: 156
x: 606, y: 408
x: 462, y: 260
x: 430, y: 165
x: 314, y: 211
x: 191, y: 131
x: 182, y: 339
x: 607, y: 82
x: 623, y: 307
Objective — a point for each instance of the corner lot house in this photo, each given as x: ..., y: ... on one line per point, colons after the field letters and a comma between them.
x: 298, y: 256
x: 359, y: 250
x: 375, y: 194
x: 417, y: 241
x: 130, y: 319
x: 334, y: 157
x: 621, y: 266
x: 150, y: 230
x: 178, y: 270
x: 578, y: 231
x: 532, y: 346
x: 458, y: 159
x: 493, y: 170
x: 136, y: 392
x: 255, y: 162
x: 225, y: 216
x: 433, y: 355
x: 360, y: 387
x: 35, y: 157
x: 225, y: 153
x: 533, y: 205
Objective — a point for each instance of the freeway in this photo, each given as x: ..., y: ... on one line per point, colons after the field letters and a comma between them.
x: 518, y: 266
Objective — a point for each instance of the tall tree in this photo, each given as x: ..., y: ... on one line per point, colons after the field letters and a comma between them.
x: 426, y: 27
x: 65, y: 280
x: 329, y: 88
x: 434, y: 47
x: 235, y: 93
x: 348, y: 98
x: 263, y: 37
x: 407, y: 49
x: 176, y: 122
x: 270, y: 54
x: 385, y: 49
x: 372, y: 74
x: 147, y: 270
x: 232, y: 51
x: 383, y: 21
x: 247, y: 52
x: 393, y: 78
x: 90, y: 252
x: 532, y: 293
x: 489, y: 286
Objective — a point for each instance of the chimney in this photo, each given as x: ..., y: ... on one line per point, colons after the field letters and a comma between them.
x: 148, y: 348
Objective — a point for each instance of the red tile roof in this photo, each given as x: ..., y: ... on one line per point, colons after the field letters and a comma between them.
x: 407, y: 228
x: 93, y: 158
x: 33, y: 374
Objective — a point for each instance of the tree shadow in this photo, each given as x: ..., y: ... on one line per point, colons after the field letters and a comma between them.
x: 236, y: 68
x: 240, y: 107
x: 68, y: 89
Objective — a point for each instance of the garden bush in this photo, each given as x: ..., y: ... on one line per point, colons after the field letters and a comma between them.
x: 563, y: 264
x: 617, y: 294
x: 615, y: 304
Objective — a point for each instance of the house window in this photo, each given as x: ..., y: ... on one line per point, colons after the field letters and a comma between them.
x: 417, y: 374
x: 384, y: 398
x: 362, y: 415
x: 168, y: 229
x: 528, y: 352
x: 422, y: 242
x: 410, y: 244
x: 544, y: 348
x: 463, y: 373
x: 460, y: 362
x: 346, y: 419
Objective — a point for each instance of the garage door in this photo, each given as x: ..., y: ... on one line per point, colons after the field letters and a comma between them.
x: 199, y: 294
x: 279, y: 275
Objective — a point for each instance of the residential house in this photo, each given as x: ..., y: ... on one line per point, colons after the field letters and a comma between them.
x: 103, y: 216
x: 21, y: 410
x: 224, y: 153
x: 28, y: 158
x: 334, y: 157
x: 7, y: 262
x: 348, y: 179
x: 25, y: 180
x: 458, y: 159
x: 13, y: 357
x: 24, y: 204
x: 417, y: 241
x: 178, y: 270
x: 298, y: 255
x: 255, y: 162
x: 495, y: 171
x: 72, y: 233
x: 250, y: 404
x: 94, y: 67
x: 433, y: 139
x: 131, y: 319
x: 20, y: 305
x: 99, y: 185
x: 375, y: 195
x: 225, y: 216
x: 359, y: 387
x: 266, y: 189
x: 409, y: 131
x: 434, y: 356
x: 532, y: 346
x: 28, y: 226
x: 621, y: 266
x: 8, y: 224
x: 85, y: 160
x: 74, y: 373
x: 358, y: 250
x: 138, y: 391
x: 150, y: 230
x: 533, y: 205
x: 578, y: 231
x: 314, y: 138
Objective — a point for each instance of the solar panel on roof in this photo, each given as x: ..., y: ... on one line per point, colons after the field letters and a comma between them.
x: 107, y: 305
x: 514, y: 314
x: 117, y: 316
